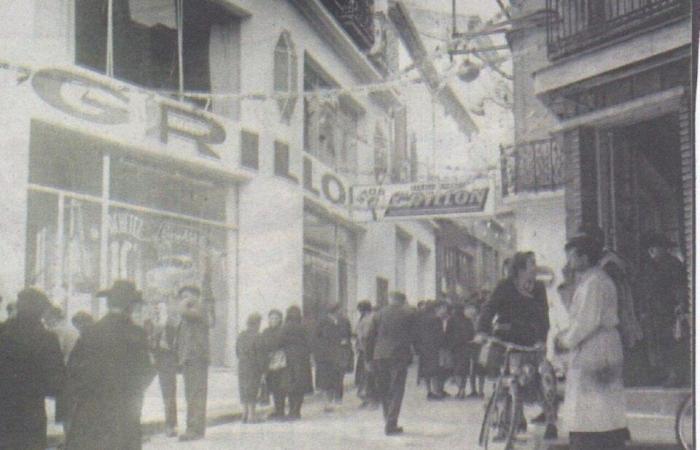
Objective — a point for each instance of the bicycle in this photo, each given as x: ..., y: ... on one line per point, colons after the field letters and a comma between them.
x: 504, y: 409
x: 685, y: 423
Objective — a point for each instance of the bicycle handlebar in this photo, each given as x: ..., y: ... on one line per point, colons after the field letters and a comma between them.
x: 516, y: 347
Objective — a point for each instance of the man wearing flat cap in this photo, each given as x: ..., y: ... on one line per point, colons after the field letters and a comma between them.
x: 31, y: 368
x: 108, y: 372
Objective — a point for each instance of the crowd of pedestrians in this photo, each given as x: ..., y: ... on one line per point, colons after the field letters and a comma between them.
x: 99, y: 373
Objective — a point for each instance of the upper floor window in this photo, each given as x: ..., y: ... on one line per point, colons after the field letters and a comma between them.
x: 143, y: 46
x: 285, y: 74
x: 331, y: 124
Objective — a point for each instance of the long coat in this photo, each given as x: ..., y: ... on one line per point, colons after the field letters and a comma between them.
x: 278, y: 380
x: 431, y: 338
x: 595, y: 396
x: 297, y: 347
x: 31, y: 368
x: 108, y: 372
x: 251, y: 364
x: 460, y: 331
x: 332, y: 350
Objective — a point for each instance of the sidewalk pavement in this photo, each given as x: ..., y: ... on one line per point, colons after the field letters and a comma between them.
x: 222, y: 403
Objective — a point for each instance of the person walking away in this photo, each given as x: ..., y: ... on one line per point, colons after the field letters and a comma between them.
x: 594, y: 407
x: 163, y: 345
x: 364, y: 378
x: 31, y: 369
x: 666, y: 300
x: 519, y: 307
x: 424, y: 320
x: 54, y: 319
x: 431, y: 340
x: 192, y: 344
x: 108, y: 373
x: 332, y: 340
x: 251, y: 360
x: 297, y: 348
x: 389, y: 346
x: 276, y: 374
x: 460, y: 331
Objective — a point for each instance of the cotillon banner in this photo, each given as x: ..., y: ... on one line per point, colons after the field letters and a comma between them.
x: 422, y: 200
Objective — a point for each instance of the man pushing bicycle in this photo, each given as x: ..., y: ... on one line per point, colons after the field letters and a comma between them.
x: 517, y: 314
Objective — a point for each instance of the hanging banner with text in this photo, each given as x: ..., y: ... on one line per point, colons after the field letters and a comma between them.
x: 422, y: 200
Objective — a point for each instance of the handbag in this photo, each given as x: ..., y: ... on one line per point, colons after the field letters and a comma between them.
x: 491, y: 358
x: 278, y: 361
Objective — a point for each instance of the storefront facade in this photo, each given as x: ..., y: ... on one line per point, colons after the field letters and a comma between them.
x: 246, y: 198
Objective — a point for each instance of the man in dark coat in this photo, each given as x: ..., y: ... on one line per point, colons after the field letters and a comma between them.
x: 108, y: 372
x: 391, y: 336
x: 193, y: 357
x: 332, y: 354
x: 666, y: 299
x: 31, y: 368
x: 431, y: 343
x: 460, y: 332
x: 297, y: 348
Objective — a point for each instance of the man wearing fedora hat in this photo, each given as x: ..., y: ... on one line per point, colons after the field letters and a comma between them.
x: 31, y: 368
x: 108, y: 372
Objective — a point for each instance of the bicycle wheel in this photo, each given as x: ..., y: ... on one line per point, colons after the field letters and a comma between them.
x: 500, y: 420
x: 685, y: 431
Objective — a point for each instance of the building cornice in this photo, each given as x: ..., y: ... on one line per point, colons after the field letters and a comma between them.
x: 326, y: 25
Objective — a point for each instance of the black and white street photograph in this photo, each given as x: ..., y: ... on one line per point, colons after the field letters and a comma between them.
x: 348, y: 224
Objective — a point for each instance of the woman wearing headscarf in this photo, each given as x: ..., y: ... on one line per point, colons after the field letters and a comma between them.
x: 332, y: 346
x: 296, y: 345
x: 276, y: 373
x: 251, y: 364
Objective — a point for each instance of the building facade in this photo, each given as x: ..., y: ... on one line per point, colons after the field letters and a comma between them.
x: 602, y: 100
x: 129, y: 155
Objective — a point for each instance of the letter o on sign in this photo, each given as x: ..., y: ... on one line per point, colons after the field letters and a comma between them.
x: 333, y: 189
x: 461, y: 197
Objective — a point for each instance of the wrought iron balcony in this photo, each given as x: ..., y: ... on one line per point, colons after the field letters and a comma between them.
x: 356, y: 17
x: 532, y: 167
x: 576, y: 25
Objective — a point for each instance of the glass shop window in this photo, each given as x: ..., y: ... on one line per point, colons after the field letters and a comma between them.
x: 167, y: 190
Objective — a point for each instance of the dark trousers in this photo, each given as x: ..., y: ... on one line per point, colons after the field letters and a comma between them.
x: 195, y: 377
x: 166, y: 362
x: 280, y: 400
x: 391, y: 383
x: 295, y: 402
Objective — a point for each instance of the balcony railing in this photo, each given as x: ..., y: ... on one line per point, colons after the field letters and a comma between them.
x: 532, y: 167
x: 576, y: 25
x: 356, y: 17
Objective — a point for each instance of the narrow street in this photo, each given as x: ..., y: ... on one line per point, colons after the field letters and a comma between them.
x: 448, y: 424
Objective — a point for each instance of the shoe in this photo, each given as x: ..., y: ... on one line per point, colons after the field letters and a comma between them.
x: 170, y: 432
x: 328, y: 409
x: 551, y: 433
x: 275, y: 416
x: 445, y: 394
x: 539, y: 419
x: 190, y: 437
x: 393, y: 431
x: 461, y: 395
x: 293, y: 417
x: 473, y: 395
x: 433, y: 397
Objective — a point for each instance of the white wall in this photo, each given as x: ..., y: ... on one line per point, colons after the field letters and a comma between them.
x: 541, y: 227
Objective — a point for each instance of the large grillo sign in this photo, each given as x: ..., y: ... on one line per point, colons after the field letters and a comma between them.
x: 420, y: 200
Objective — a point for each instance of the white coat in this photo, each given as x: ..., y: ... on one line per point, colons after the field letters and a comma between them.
x: 595, y: 397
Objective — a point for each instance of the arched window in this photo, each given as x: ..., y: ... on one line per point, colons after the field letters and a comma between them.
x: 285, y: 69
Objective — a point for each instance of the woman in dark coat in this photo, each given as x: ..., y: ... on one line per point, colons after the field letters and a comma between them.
x: 251, y: 364
x: 276, y: 367
x: 460, y: 331
x: 295, y: 342
x: 431, y: 340
x: 332, y: 354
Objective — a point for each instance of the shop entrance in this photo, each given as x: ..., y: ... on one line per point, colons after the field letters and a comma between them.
x: 640, y: 192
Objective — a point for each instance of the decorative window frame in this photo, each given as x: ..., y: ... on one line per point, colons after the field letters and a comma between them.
x: 288, y: 95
